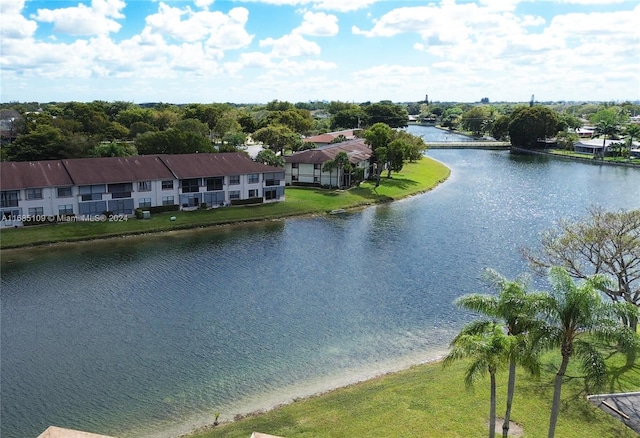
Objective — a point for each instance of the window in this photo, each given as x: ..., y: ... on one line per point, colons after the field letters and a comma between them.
x: 9, y: 198
x: 316, y: 179
x: 65, y: 209
x: 215, y: 184
x: 294, y: 165
x: 190, y: 185
x: 167, y: 185
x: 253, y: 193
x: 234, y: 194
x: 91, y: 193
x: 144, y: 186
x: 316, y: 167
x: 270, y: 194
x: 167, y: 200
x: 234, y: 180
x: 254, y: 178
x: 294, y: 178
x: 119, y: 191
x: 64, y: 192
x: 34, y: 193
x: 144, y: 202
x: 36, y: 211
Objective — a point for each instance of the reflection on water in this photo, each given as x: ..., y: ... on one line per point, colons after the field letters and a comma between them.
x: 145, y: 335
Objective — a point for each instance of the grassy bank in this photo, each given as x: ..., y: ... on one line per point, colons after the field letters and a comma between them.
x: 429, y: 401
x: 414, y: 178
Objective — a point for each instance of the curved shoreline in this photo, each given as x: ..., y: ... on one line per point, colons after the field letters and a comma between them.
x: 190, y: 227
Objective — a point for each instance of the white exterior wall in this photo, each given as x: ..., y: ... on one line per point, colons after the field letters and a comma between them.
x: 50, y: 202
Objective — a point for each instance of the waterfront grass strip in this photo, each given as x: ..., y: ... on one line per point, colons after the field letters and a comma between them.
x: 414, y: 178
x: 428, y: 400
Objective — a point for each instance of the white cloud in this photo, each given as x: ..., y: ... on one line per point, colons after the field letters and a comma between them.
x: 222, y: 31
x: 291, y: 45
x: 98, y: 19
x: 14, y: 25
x: 318, y: 24
x: 327, y: 5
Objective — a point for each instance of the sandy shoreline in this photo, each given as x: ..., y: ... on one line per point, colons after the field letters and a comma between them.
x: 258, y: 405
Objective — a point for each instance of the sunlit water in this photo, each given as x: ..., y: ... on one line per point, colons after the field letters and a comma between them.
x: 150, y: 336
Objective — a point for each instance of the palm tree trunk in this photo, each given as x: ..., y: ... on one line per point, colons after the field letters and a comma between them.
x: 555, y: 405
x: 492, y: 409
x: 510, y: 390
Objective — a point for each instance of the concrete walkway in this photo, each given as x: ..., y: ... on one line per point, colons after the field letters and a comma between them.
x: 624, y: 406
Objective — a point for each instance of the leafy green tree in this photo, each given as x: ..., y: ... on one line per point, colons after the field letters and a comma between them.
x: 234, y: 138
x: 113, y: 149
x: 138, y: 128
x: 172, y: 141
x: 133, y: 115
x: 226, y: 124
x: 575, y: 319
x: 529, y: 124
x: 487, y: 349
x: 297, y: 120
x: 193, y: 125
x: 605, y: 243
x: 414, y: 146
x: 476, y: 119
x: 267, y: 156
x: 516, y: 307
x: 278, y: 138
x: 500, y: 127
x: 165, y: 118
x: 379, y: 135
x: 395, y: 116
x: 349, y: 118
x: 395, y: 156
x: 43, y: 143
x: 632, y: 131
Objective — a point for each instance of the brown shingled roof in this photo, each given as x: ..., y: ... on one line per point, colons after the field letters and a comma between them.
x: 221, y: 164
x: 86, y: 171
x: 356, y: 150
x: 33, y: 174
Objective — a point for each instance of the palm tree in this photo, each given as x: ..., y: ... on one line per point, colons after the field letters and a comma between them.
x: 516, y: 307
x: 487, y: 346
x: 606, y: 128
x: 574, y: 317
x: 329, y: 166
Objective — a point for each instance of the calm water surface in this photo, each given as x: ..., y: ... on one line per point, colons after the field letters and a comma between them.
x: 151, y: 336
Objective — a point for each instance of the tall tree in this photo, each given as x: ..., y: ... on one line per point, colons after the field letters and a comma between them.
x: 516, y: 307
x: 607, y: 122
x: 575, y: 318
x: 395, y: 116
x: 606, y: 243
x: 487, y: 348
x: 267, y: 156
x: 278, y: 138
x: 529, y: 124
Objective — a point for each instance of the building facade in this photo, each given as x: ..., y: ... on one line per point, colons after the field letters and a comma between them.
x: 85, y: 187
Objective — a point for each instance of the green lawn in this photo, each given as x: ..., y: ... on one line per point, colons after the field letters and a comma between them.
x: 572, y: 154
x: 432, y: 401
x: 414, y: 178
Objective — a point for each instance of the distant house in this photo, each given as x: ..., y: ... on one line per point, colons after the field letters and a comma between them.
x: 593, y: 147
x: 305, y: 167
x: 325, y: 139
x: 86, y: 187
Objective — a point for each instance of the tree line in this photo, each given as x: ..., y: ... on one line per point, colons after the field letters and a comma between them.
x: 96, y: 129
x: 586, y: 261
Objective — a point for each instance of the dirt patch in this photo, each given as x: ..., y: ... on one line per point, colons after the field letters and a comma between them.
x: 515, y: 430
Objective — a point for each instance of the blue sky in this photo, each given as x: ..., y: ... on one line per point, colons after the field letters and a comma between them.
x: 253, y: 51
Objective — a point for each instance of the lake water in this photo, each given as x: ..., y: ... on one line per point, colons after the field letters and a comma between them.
x: 149, y: 336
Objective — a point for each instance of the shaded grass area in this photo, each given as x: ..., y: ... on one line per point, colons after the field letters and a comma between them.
x: 429, y: 400
x: 415, y: 178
